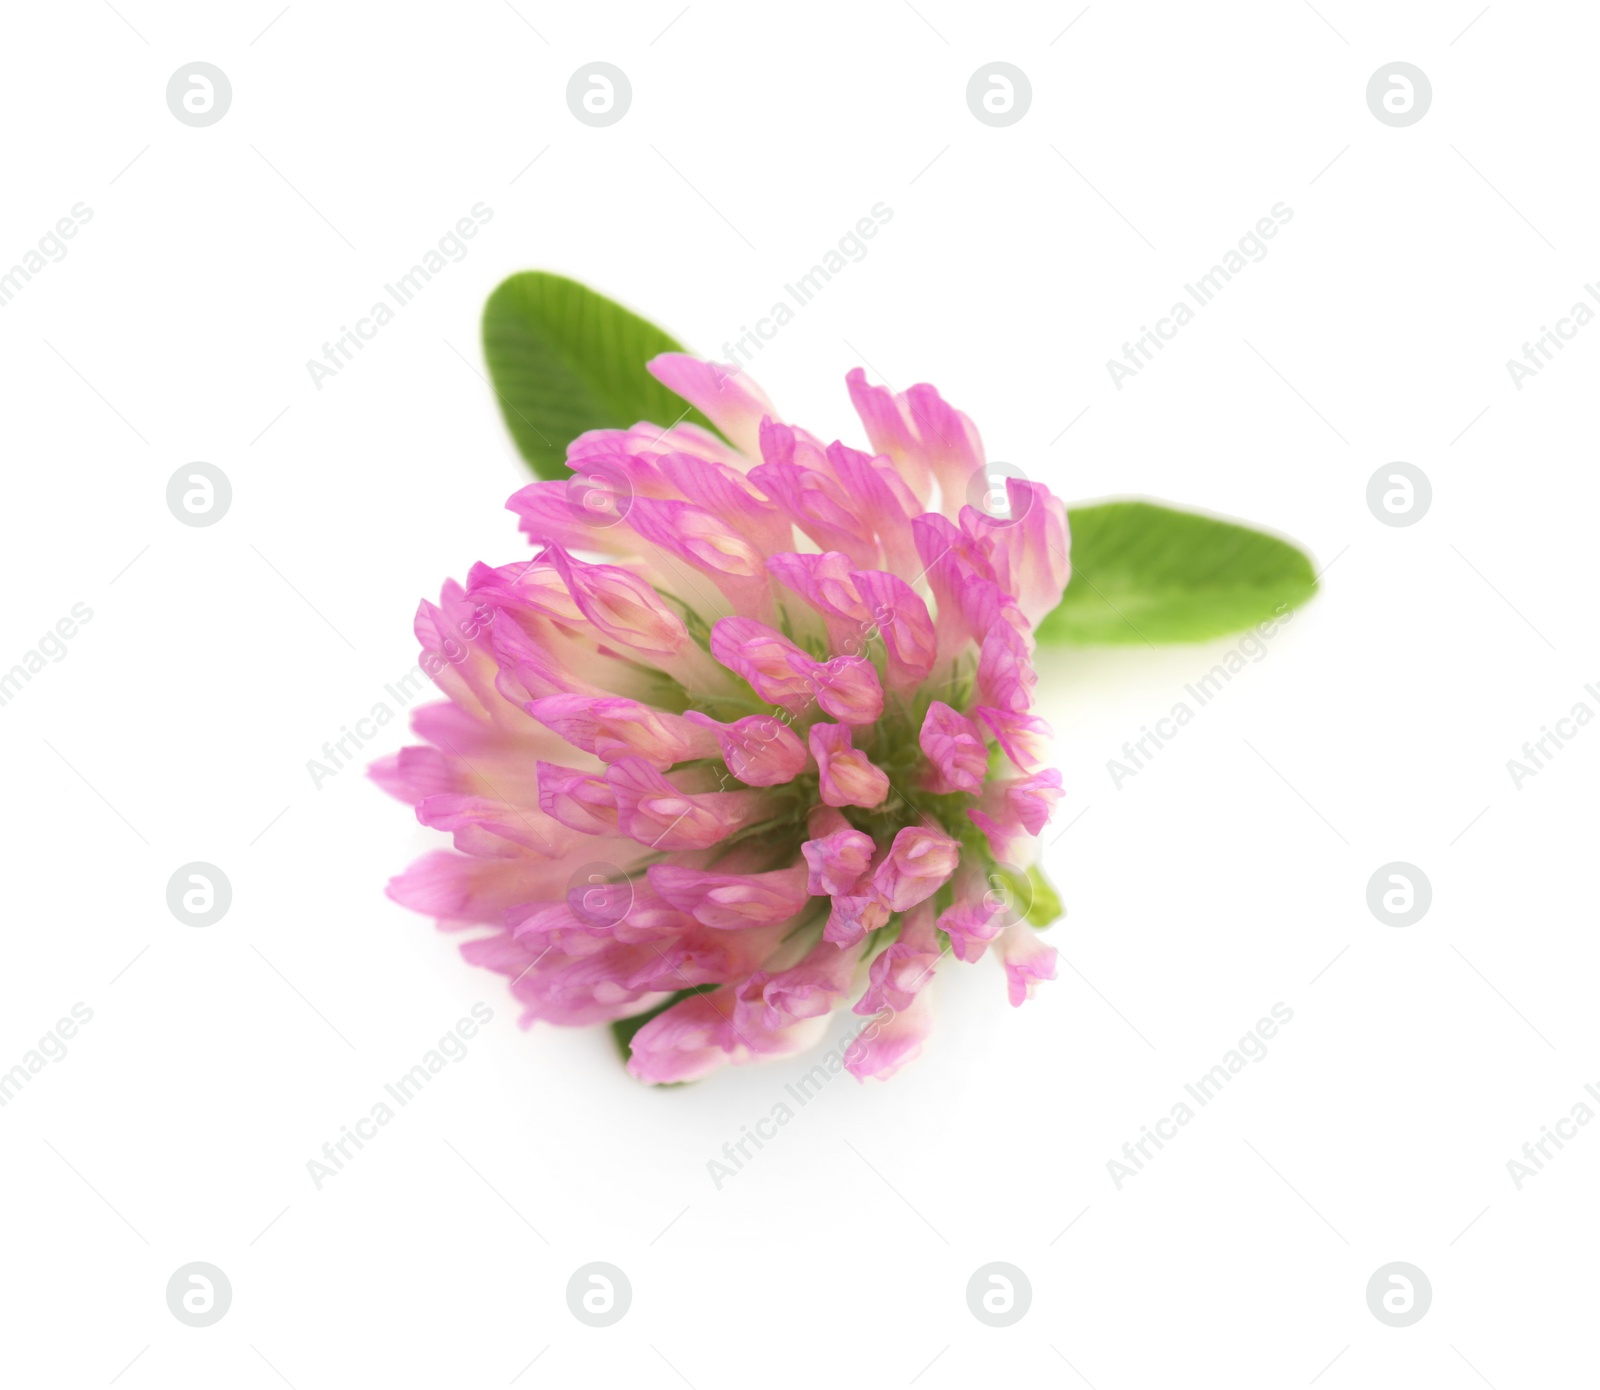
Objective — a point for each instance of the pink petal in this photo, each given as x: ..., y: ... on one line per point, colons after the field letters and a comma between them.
x: 849, y: 777
x: 890, y: 1040
x: 847, y: 688
x: 1024, y: 737
x: 723, y: 394
x: 1029, y: 549
x: 731, y: 902
x: 837, y: 860
x: 655, y: 813
x: 760, y: 749
x: 582, y: 800
x: 901, y: 619
x: 613, y: 728
x: 924, y: 435
x: 1006, y: 677
x: 917, y: 865
x: 776, y: 669
x: 854, y: 915
x: 810, y: 989
x: 955, y: 747
x: 622, y: 606
x: 1027, y: 960
x: 905, y: 967
x: 972, y: 924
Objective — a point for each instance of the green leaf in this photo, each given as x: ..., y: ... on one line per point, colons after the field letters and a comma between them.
x: 1147, y: 573
x: 564, y: 359
x: 623, y: 1029
x: 1046, y: 905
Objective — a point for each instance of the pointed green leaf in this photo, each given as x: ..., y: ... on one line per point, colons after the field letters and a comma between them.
x: 1144, y: 573
x: 564, y: 359
x: 1046, y: 905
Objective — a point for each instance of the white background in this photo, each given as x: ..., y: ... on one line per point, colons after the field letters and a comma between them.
x: 1223, y: 878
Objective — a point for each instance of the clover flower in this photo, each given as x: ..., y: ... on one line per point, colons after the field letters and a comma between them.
x: 749, y: 737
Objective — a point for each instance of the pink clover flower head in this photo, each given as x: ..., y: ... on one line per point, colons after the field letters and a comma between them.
x: 746, y: 739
